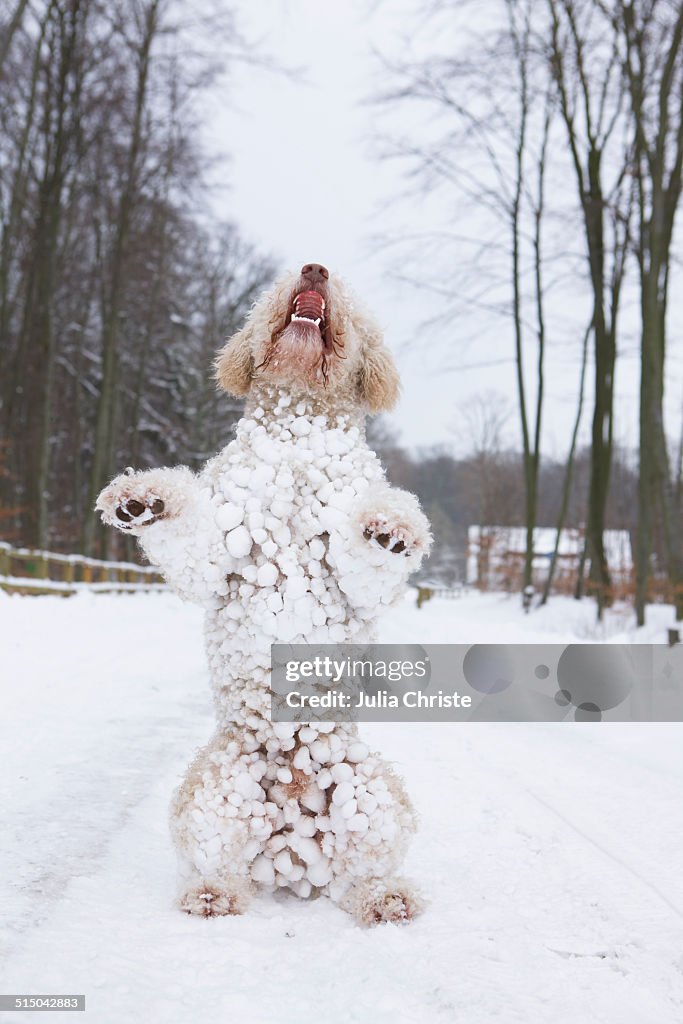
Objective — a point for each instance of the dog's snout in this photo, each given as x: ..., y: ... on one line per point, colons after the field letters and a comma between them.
x: 314, y: 271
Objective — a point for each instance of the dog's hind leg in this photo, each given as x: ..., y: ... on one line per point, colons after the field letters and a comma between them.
x: 366, y: 843
x: 220, y: 826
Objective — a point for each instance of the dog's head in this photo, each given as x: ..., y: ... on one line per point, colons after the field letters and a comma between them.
x: 308, y: 333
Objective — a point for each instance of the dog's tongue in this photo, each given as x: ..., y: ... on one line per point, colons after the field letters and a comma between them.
x: 310, y: 305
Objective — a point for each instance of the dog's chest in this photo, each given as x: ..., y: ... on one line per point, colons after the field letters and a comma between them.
x: 279, y: 490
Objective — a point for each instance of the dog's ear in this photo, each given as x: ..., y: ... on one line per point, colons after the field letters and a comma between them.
x: 234, y: 364
x: 380, y: 385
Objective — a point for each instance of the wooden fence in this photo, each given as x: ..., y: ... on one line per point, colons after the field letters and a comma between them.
x: 426, y: 591
x: 27, y: 571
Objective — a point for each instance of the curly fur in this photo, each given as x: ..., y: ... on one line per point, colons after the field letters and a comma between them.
x: 290, y: 533
x: 366, y: 373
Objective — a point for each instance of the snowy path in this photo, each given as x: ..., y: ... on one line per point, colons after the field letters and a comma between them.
x: 550, y: 854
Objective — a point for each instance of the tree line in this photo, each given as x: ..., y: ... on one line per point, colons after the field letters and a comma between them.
x: 556, y: 124
x: 116, y: 282
x: 560, y: 122
x: 482, y: 485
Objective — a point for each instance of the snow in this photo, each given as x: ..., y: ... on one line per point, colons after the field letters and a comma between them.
x: 549, y: 854
x: 228, y: 516
x: 239, y: 542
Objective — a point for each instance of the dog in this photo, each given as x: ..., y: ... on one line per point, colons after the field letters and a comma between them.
x: 290, y: 534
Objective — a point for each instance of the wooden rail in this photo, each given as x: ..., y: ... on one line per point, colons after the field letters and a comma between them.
x: 29, y: 571
x: 424, y: 593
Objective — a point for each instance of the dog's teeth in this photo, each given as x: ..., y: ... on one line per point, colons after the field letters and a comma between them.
x: 306, y: 320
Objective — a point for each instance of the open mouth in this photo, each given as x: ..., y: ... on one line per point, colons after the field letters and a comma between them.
x: 307, y: 341
x: 309, y: 307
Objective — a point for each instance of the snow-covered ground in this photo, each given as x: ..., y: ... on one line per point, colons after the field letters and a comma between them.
x: 551, y: 855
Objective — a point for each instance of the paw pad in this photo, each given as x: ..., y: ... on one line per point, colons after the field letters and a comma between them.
x: 394, y: 539
x: 135, y: 513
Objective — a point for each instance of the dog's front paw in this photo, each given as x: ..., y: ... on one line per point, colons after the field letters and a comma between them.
x: 394, y: 537
x: 130, y: 502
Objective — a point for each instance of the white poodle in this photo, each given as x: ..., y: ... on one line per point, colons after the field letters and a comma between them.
x: 291, y: 534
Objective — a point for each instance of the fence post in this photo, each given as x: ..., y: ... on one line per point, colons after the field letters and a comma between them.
x: 69, y: 571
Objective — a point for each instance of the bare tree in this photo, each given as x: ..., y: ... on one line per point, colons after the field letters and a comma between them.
x: 568, y: 480
x: 146, y: 25
x: 483, y: 428
x: 33, y: 367
x: 584, y: 60
x: 521, y: 37
x: 497, y: 111
x: 651, y: 32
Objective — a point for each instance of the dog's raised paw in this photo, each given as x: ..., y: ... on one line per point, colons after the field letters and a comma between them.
x: 136, y: 513
x: 128, y: 507
x: 392, y: 538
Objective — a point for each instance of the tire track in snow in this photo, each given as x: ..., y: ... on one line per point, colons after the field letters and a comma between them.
x: 609, y: 854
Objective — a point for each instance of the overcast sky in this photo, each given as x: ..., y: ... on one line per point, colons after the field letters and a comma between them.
x: 305, y: 184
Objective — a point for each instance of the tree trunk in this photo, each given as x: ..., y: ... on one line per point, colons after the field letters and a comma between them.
x: 605, y: 357
x: 655, y: 81
x: 568, y: 476
x: 647, y: 483
x: 106, y: 408
x: 37, y: 336
x: 11, y: 388
x: 657, y: 482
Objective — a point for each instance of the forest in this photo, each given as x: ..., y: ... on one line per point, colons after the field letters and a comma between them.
x: 558, y: 121
x: 555, y: 130
x: 116, y: 282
